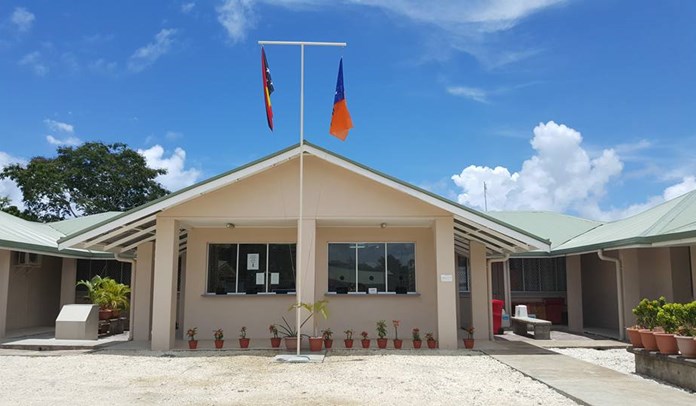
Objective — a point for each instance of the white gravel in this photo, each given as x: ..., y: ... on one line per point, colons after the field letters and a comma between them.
x: 617, y: 359
x: 207, y: 377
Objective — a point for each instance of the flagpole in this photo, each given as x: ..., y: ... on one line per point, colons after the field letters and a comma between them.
x: 300, y: 245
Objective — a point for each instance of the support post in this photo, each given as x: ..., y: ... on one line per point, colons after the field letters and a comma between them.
x: 447, y: 291
x: 479, y: 291
x: 164, y: 288
x: 68, y: 278
x: 574, y: 293
x: 142, y: 291
x: 5, y: 262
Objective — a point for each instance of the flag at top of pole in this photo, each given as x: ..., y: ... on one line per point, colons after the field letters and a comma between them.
x: 341, y: 122
x: 267, y: 88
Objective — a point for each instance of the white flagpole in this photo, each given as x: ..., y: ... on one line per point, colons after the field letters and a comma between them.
x: 300, y: 245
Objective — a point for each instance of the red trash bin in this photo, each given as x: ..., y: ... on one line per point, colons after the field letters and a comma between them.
x: 554, y: 310
x: 497, y: 314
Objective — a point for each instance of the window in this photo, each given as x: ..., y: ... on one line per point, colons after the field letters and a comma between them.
x: 537, y: 274
x: 383, y: 267
x: 251, y: 268
x: 463, y: 273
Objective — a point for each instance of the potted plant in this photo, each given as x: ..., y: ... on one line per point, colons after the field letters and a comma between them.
x: 289, y: 334
x: 667, y: 319
x: 328, y: 341
x: 243, y: 340
x: 348, y: 341
x: 219, y: 338
x: 647, y: 314
x: 469, y: 340
x: 686, y: 342
x: 382, y: 333
x: 397, y: 341
x: 275, y: 340
x: 191, y: 334
x: 315, y: 341
x: 430, y: 339
x: 417, y: 342
x: 365, y: 341
x: 96, y: 295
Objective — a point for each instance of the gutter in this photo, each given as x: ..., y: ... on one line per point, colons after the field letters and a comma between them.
x: 619, y: 290
x: 489, y: 293
x: 132, y: 262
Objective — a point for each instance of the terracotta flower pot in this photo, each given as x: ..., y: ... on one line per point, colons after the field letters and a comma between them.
x: 328, y: 343
x: 398, y: 343
x: 193, y: 344
x: 432, y: 344
x: 634, y: 337
x: 104, y: 314
x: 666, y: 343
x: 468, y: 343
x: 348, y: 343
x: 291, y: 343
x: 315, y: 343
x: 244, y: 342
x: 365, y: 343
x: 417, y: 343
x: 275, y: 342
x: 648, y: 340
x: 220, y: 343
x: 382, y: 343
x: 687, y: 346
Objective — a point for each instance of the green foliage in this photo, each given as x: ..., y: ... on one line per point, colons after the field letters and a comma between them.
x: 107, y: 293
x: 382, y: 328
x: 319, y: 307
x: 669, y: 317
x: 687, y: 320
x: 89, y: 179
x: 7, y: 207
x: 646, y: 312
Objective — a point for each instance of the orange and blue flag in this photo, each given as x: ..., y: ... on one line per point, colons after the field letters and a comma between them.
x: 267, y: 88
x: 341, y: 122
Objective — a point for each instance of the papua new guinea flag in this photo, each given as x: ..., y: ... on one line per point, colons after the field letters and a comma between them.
x: 267, y: 88
x: 341, y: 122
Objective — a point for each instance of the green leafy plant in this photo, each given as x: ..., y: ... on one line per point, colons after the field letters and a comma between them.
x: 469, y: 332
x: 273, y: 329
x: 669, y: 317
x: 395, y: 323
x: 364, y: 335
x: 327, y: 334
x: 349, y: 334
x: 687, y: 320
x: 429, y: 337
x: 646, y: 312
x: 191, y: 333
x: 382, y: 329
x: 242, y: 332
x: 106, y: 292
x: 415, y: 333
x: 218, y: 334
x: 319, y: 307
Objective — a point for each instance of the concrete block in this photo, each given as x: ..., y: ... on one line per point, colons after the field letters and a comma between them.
x: 77, y: 322
x: 669, y: 368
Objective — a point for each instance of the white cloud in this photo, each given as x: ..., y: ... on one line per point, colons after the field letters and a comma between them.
x: 22, y: 19
x: 187, y: 7
x: 173, y: 135
x: 237, y: 17
x: 7, y: 186
x: 33, y: 61
x: 58, y: 126
x: 145, y: 56
x: 102, y: 66
x: 560, y: 176
x: 472, y: 93
x: 176, y: 177
x: 69, y: 141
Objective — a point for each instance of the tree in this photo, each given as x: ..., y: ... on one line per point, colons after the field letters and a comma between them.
x: 7, y: 207
x: 89, y: 179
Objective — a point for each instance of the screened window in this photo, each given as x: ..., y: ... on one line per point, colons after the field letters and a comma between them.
x: 537, y: 274
x: 463, y: 273
x: 377, y: 267
x: 251, y: 268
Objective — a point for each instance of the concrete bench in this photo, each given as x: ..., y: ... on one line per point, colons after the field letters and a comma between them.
x: 542, y: 328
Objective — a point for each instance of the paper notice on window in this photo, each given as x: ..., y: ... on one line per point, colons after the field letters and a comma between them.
x: 447, y: 277
x: 259, y: 278
x: 252, y: 262
x: 275, y: 278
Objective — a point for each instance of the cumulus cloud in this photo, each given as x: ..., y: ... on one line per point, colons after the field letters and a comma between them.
x: 560, y: 176
x: 34, y: 62
x: 145, y: 56
x: 58, y: 126
x: 68, y: 141
x: 237, y: 17
x: 472, y: 93
x: 8, y: 188
x: 187, y: 7
x: 177, y: 176
x: 22, y: 19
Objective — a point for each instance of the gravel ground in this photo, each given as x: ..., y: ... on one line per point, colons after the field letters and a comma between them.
x: 206, y: 378
x: 617, y: 359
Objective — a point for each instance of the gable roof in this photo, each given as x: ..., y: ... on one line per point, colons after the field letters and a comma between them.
x: 123, y: 232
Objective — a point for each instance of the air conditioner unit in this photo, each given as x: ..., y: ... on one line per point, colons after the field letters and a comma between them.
x: 28, y: 259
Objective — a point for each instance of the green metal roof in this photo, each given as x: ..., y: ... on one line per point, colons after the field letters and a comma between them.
x: 70, y: 226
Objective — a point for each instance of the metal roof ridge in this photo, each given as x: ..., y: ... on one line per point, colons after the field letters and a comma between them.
x: 657, y: 226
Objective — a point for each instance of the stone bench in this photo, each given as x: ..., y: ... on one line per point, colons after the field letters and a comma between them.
x: 542, y: 328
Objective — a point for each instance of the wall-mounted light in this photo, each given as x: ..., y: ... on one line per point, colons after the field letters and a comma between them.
x: 383, y: 225
x: 229, y: 225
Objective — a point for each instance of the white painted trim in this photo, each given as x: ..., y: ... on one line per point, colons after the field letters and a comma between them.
x: 119, y: 230
x: 130, y: 237
x: 135, y: 244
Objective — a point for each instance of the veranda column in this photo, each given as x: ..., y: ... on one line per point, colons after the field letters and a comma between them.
x: 574, y: 293
x: 631, y: 283
x: 142, y: 291
x: 479, y: 291
x: 307, y: 267
x: 447, y: 291
x: 68, y: 278
x: 164, y: 284
x: 5, y: 257
x: 692, y: 251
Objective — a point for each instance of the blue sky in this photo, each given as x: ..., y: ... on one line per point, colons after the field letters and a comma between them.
x: 584, y: 107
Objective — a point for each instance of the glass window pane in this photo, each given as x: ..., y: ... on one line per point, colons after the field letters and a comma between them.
x: 252, y: 261
x: 401, y: 267
x: 222, y: 268
x: 342, y: 268
x: 281, y: 261
x: 371, y: 267
x: 463, y: 273
x: 516, y: 275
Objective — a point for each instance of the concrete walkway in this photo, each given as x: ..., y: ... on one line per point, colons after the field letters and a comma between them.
x: 581, y: 381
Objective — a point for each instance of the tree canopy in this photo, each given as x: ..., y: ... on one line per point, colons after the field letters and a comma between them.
x: 89, y: 179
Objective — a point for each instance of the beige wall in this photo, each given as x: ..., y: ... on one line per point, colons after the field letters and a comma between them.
x: 574, y: 292
x: 681, y: 274
x: 34, y: 294
x: 631, y: 282
x: 5, y: 267
x: 656, y: 271
x: 599, y: 301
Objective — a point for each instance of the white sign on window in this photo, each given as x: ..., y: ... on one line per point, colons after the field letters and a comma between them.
x: 252, y: 262
x: 275, y: 278
x: 259, y: 278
